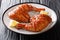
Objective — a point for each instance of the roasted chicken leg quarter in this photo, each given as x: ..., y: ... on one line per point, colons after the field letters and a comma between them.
x: 20, y: 13
x: 37, y: 23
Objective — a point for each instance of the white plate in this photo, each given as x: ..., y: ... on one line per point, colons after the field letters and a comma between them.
x: 6, y: 20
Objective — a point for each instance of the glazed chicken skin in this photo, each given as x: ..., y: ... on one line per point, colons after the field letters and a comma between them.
x: 37, y: 23
x: 20, y: 13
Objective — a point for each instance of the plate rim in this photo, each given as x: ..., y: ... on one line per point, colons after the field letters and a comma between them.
x: 24, y: 3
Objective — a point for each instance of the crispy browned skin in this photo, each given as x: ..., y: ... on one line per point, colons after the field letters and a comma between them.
x: 37, y: 23
x: 20, y: 14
